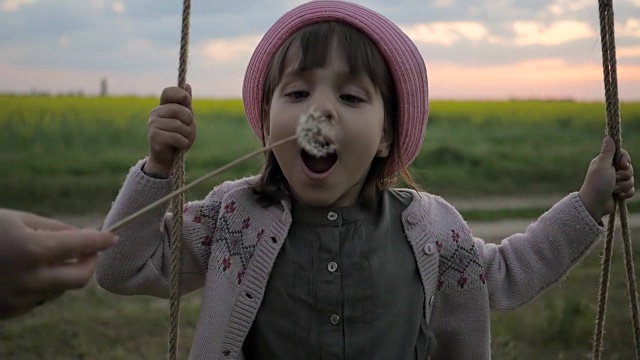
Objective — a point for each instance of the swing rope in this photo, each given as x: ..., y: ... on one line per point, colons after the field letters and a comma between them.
x: 613, y: 129
x: 178, y: 202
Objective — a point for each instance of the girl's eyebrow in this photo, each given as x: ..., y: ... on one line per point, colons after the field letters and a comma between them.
x: 291, y: 74
x: 361, y: 82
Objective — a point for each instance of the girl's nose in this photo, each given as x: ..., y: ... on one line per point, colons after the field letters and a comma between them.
x: 324, y: 104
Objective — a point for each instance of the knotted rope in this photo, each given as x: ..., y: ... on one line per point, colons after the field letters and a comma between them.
x: 613, y: 129
x: 178, y: 202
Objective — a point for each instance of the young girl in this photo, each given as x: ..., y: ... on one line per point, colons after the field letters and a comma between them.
x: 321, y: 258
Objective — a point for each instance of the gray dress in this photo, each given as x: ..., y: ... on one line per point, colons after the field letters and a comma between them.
x: 345, y: 285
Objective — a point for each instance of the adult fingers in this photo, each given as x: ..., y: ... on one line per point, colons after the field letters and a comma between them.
x: 64, y: 276
x: 37, y: 222
x: 56, y: 246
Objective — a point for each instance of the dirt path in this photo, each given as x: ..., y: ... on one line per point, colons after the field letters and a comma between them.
x: 510, y: 202
x: 497, y: 230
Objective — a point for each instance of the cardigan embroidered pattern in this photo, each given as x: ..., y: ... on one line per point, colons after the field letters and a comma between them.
x: 230, y: 244
x: 231, y: 230
x: 460, y: 265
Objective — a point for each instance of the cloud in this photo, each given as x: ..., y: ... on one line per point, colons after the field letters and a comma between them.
x: 442, y: 3
x: 536, y: 78
x: 630, y: 28
x: 64, y: 41
x: 227, y: 50
x: 628, y: 52
x: 558, y: 33
x: 447, y: 33
x: 14, y: 5
x: 565, y: 7
x: 117, y: 7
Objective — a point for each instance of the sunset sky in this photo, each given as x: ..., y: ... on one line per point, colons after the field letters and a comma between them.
x: 494, y: 49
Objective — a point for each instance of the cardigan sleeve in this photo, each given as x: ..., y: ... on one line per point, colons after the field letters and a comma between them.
x: 140, y: 263
x: 474, y: 276
x: 523, y: 265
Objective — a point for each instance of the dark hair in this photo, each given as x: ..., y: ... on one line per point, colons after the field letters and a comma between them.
x: 313, y: 43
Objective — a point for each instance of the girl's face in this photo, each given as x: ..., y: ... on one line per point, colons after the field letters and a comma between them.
x: 356, y: 110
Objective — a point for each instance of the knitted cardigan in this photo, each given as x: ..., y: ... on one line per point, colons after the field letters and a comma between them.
x: 230, y: 243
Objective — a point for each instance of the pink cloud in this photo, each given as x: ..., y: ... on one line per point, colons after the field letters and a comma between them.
x: 543, y: 78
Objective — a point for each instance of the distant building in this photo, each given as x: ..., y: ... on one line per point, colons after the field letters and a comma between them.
x: 103, y: 87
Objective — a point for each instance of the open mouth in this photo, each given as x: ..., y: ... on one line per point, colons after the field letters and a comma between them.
x: 319, y: 165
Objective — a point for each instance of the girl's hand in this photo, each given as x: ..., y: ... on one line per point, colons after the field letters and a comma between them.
x: 603, y: 181
x: 172, y: 129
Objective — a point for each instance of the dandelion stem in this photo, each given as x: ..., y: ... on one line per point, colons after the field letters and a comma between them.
x: 179, y: 191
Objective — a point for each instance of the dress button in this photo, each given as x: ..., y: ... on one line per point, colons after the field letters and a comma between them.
x: 429, y: 249
x: 332, y: 216
x: 413, y: 219
x: 335, y: 319
x: 332, y: 266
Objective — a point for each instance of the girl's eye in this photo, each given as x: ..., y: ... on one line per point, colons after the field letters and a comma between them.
x: 351, y: 98
x: 298, y: 95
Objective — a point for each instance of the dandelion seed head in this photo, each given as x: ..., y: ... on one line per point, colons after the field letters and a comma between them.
x: 314, y: 134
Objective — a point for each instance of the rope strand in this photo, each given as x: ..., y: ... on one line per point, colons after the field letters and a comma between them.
x: 613, y: 129
x: 178, y: 202
x: 604, y: 287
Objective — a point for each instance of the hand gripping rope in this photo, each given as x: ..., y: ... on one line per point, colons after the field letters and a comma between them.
x: 613, y: 129
x: 607, y: 38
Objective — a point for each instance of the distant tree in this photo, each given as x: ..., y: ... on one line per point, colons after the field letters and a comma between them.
x: 103, y: 87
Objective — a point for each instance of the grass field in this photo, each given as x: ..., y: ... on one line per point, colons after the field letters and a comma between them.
x: 70, y: 155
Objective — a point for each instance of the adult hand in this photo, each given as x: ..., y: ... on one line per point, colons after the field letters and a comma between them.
x: 41, y: 258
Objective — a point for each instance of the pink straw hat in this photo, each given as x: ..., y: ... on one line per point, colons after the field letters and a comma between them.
x: 403, y: 59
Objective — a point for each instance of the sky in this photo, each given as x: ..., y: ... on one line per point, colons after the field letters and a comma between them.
x: 498, y: 49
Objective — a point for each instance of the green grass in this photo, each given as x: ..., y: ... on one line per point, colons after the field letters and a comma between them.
x: 70, y: 155
x: 94, y: 324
